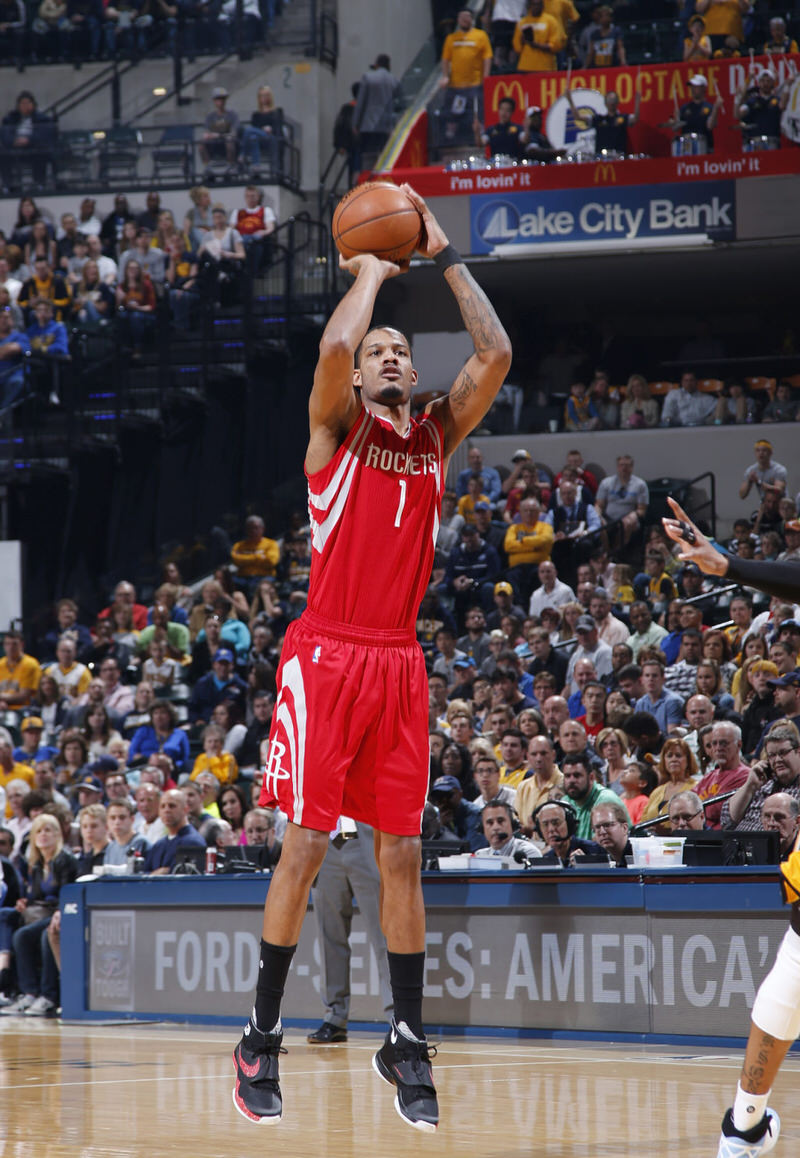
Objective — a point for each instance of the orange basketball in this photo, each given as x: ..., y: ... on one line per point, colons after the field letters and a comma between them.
x: 378, y: 218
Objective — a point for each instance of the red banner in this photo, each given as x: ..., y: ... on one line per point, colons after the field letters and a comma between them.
x: 662, y: 87
x: 437, y: 182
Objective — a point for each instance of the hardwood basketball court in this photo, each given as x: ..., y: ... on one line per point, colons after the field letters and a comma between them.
x: 69, y: 1091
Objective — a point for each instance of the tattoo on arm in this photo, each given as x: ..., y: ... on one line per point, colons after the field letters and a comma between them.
x: 477, y: 312
x: 463, y: 387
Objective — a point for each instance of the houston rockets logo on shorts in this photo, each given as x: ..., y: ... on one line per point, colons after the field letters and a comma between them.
x: 286, y: 755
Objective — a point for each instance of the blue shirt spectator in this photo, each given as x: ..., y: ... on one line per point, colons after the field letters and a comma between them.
x: 492, y: 484
x: 46, y: 336
x: 14, y: 345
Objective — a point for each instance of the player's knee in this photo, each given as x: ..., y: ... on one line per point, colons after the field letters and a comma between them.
x: 400, y: 855
x: 304, y: 850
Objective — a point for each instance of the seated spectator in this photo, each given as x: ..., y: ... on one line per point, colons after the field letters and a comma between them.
x: 151, y: 259
x: 487, y: 780
x: 94, y: 837
x: 582, y: 791
x: 40, y: 243
x: 49, y: 29
x: 213, y: 759
x: 24, y: 128
x: 777, y: 772
x: 264, y: 133
x: 136, y: 307
x: 677, y: 772
x: 605, y: 399
x: 14, y: 345
x: 112, y: 229
x: 611, y: 745
x: 460, y: 816
x: 555, y: 823
x: 551, y: 592
x: 249, y: 756
x: 734, y: 406
x: 527, y: 544
x: 13, y: 28
x: 474, y: 495
x: 16, y: 818
x: 686, y: 406
x: 161, y: 857
x: 228, y: 715
x: 781, y: 813
x: 221, y: 129
x: 761, y: 708
x: 639, y: 410
x: 76, y: 262
x: 11, y: 284
x: 233, y: 806
x: 50, y: 866
x: 199, y: 218
x: 784, y: 407
x: 526, y: 486
x: 255, y: 556
x: 728, y: 772
x: 93, y: 300
x: 779, y: 41
x: 197, y: 815
x: 590, y: 647
x: 98, y: 732
x: 665, y: 706
x: 537, y: 39
x: 181, y: 280
x: 504, y: 137
x: 125, y: 841
x: 623, y: 497
x: 106, y: 266
x: 161, y: 671
x: 167, y: 622
x: 580, y: 412
x: 491, y: 484
x: 221, y: 253
x: 686, y: 812
x: 636, y: 783
x: 260, y: 829
x: 161, y: 734
x: 546, y: 780
x: 48, y: 285
x: 19, y: 673
x: 147, y: 822
x: 117, y: 697
x: 125, y: 28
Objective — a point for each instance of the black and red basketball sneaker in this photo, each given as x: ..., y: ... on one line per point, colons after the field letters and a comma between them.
x: 405, y: 1062
x: 257, y: 1094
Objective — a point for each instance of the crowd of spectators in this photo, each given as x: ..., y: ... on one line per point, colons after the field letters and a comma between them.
x: 580, y: 680
x: 125, y: 268
x: 77, y: 30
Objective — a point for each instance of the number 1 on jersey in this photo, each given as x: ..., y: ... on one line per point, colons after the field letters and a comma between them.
x: 403, y: 485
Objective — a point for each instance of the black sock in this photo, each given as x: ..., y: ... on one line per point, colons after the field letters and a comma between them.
x: 406, y: 975
x: 273, y: 969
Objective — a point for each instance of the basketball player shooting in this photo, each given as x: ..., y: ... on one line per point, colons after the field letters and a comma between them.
x: 350, y: 728
x: 750, y: 1127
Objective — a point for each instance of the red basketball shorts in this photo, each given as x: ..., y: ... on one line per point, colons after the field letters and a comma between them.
x: 349, y: 732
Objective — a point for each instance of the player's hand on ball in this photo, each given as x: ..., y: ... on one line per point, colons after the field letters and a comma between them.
x: 434, y: 238
x: 363, y: 261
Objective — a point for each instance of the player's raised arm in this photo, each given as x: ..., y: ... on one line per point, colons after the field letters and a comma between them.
x: 476, y: 386
x: 333, y: 406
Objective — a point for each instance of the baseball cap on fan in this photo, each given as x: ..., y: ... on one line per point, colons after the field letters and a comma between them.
x: 697, y: 80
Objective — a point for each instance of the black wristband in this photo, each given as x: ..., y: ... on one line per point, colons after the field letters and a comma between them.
x: 447, y: 257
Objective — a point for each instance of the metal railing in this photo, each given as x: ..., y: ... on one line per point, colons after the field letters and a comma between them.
x: 133, y: 157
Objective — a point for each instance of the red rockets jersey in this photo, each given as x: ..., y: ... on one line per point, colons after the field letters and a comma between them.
x: 374, y: 512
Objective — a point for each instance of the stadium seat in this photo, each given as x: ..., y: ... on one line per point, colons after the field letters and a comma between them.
x: 756, y: 384
x: 172, y: 156
x: 659, y: 389
x: 119, y: 154
x: 710, y: 385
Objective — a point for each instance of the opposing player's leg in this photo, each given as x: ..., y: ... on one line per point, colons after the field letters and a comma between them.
x: 256, y: 1093
x: 750, y: 1128
x: 404, y: 1060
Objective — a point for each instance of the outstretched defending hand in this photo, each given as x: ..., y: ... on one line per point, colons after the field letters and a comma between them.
x: 700, y: 551
x: 363, y: 261
x: 433, y: 239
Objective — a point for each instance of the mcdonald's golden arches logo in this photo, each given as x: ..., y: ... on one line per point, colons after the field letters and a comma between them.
x: 509, y: 88
x: 604, y: 173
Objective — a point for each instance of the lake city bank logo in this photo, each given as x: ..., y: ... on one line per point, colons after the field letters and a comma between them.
x: 497, y: 222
